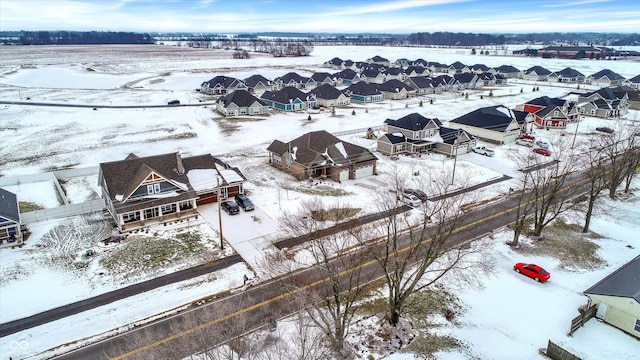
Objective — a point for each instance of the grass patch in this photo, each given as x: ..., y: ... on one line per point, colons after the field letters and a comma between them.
x: 26, y: 206
x: 567, y: 243
x: 334, y: 214
x: 144, y: 253
x: 321, y: 190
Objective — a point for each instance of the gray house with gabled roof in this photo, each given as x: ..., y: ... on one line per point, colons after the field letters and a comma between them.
x: 497, y: 124
x: 566, y: 75
x: 318, y: 154
x: 258, y: 84
x: 508, y: 71
x: 617, y: 297
x: 241, y: 102
x: 395, y: 90
x: 421, y: 84
x: 536, y: 73
x: 294, y: 79
x: 328, y: 96
x: 221, y: 85
x: 364, y: 93
x: 605, y: 78
x: 10, y: 227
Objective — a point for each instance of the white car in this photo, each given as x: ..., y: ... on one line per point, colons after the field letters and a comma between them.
x: 542, y: 143
x: 484, y: 150
x: 525, y: 142
x: 410, y: 200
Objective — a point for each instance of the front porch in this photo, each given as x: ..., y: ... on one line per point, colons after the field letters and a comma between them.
x: 159, y: 220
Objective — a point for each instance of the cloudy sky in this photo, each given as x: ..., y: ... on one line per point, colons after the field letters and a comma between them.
x: 344, y: 16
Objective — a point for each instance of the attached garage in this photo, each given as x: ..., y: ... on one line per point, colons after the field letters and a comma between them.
x: 344, y: 174
x: 207, y: 198
x: 364, y: 171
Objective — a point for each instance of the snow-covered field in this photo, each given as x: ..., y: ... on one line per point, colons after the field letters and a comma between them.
x: 499, y: 322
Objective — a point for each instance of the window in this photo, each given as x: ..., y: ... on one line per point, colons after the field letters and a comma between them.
x: 276, y: 159
x: 131, y: 216
x: 555, y: 113
x: 151, y: 213
x: 637, y: 325
x: 185, y: 205
x: 168, y: 209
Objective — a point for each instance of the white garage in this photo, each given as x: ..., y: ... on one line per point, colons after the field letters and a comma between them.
x: 364, y: 171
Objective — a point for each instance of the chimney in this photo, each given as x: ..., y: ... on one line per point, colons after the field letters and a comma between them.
x: 180, y: 167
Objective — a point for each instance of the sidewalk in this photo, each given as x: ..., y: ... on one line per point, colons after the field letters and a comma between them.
x: 247, y: 232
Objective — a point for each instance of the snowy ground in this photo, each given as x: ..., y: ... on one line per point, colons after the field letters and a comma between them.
x: 36, y: 139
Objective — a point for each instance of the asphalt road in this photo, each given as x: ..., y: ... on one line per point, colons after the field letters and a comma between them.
x: 100, y: 106
x: 214, y: 323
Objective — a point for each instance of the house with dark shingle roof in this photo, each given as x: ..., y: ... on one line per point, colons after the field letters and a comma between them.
x: 421, y: 84
x: 346, y: 77
x: 372, y: 76
x: 10, y: 226
x: 497, y: 124
x: 318, y: 154
x: 395, y: 90
x: 221, y: 85
x: 142, y: 191
x: 415, y: 134
x: 288, y: 99
x: 258, y: 84
x: 323, y: 78
x: 634, y: 82
x: 364, y: 93
x: 295, y: 80
x: 241, y: 102
x: 603, y: 103
x: 566, y: 75
x: 335, y: 63
x: 536, y: 73
x: 551, y: 113
x: 328, y: 96
x: 605, y: 78
x: 467, y: 80
x: 508, y: 71
x: 416, y: 70
x: 478, y: 68
x: 379, y: 60
x: 617, y: 297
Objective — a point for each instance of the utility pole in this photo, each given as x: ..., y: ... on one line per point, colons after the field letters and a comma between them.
x: 573, y: 143
x: 220, y: 212
x: 455, y: 159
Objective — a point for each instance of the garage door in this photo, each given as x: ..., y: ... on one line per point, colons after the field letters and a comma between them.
x: 207, y: 198
x: 364, y: 171
x: 344, y: 174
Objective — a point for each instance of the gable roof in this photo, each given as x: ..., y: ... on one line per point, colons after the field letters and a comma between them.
x: 607, y: 73
x: 538, y: 70
x: 321, y: 76
x: 123, y: 177
x: 496, y: 118
x: 363, y: 88
x: 465, y: 78
x: 241, y: 98
x: 449, y: 135
x: 346, y: 74
x: 292, y: 76
x: 9, y: 206
x: 507, y: 69
x: 225, y: 172
x: 223, y: 81
x: 421, y: 82
x: 413, y: 122
x: 254, y: 80
x: 308, y: 148
x: 378, y: 59
x: 326, y: 91
x: 457, y: 65
x: 635, y: 79
x: 623, y: 282
x: 335, y: 61
x: 285, y: 94
x: 394, y: 85
x: 569, y: 72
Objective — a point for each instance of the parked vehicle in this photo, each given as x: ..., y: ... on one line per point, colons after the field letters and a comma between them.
x: 244, y: 202
x: 542, y: 143
x: 230, y: 207
x: 527, y: 136
x: 417, y: 193
x: 410, y: 199
x: 533, y: 271
x: 483, y: 150
x: 605, y: 129
x: 525, y: 142
x: 173, y: 102
x: 542, y: 151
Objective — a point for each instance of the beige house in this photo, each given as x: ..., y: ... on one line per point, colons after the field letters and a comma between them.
x: 618, y: 298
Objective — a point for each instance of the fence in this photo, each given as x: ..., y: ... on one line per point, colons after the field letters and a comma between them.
x: 579, y: 320
x: 357, y: 131
x: 62, y: 211
x: 555, y: 352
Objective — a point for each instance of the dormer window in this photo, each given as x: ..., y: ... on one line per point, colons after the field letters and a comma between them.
x: 153, y: 189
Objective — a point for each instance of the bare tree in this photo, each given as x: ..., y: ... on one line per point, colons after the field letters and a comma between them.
x: 546, y: 191
x: 337, y: 274
x: 416, y: 249
x: 620, y: 151
x: 596, y: 175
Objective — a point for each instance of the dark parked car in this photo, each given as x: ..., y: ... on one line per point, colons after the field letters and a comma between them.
x: 230, y: 207
x: 417, y: 193
x: 605, y: 129
x: 533, y: 271
x: 244, y: 202
x: 173, y: 102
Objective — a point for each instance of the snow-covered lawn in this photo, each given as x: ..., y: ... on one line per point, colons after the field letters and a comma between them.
x: 498, y: 322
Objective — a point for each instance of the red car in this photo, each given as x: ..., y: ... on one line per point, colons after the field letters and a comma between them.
x: 527, y: 136
x: 533, y: 271
x: 542, y: 151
